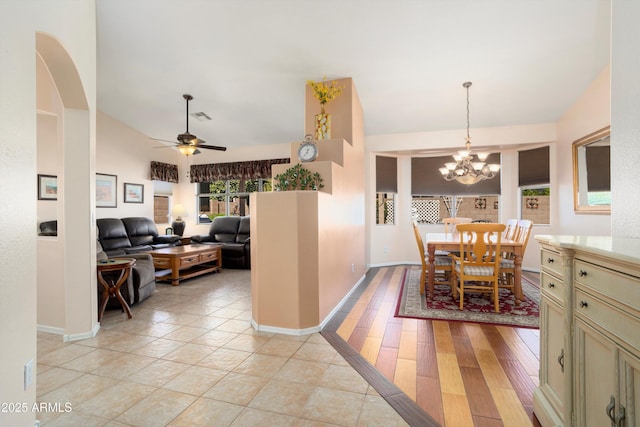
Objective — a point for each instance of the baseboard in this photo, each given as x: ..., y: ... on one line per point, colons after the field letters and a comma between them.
x: 50, y: 329
x: 313, y: 329
x: 391, y: 264
x: 284, y: 331
x: 83, y: 336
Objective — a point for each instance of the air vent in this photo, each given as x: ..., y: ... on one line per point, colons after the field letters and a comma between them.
x: 201, y: 116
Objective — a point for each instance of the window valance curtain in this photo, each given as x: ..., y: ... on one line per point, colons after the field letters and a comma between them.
x: 164, y: 172
x: 234, y: 170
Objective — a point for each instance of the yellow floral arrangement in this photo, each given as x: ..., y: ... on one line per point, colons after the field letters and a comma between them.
x: 325, y: 93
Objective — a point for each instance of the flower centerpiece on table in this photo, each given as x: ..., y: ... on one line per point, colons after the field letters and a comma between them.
x: 325, y: 93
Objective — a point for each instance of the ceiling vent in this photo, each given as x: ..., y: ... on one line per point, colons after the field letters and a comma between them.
x: 201, y: 116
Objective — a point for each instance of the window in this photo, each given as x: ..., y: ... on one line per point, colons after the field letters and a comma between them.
x: 160, y: 209
x: 432, y: 209
x: 386, y: 189
x: 162, y: 191
x: 534, y: 204
x: 228, y: 197
x: 533, y: 181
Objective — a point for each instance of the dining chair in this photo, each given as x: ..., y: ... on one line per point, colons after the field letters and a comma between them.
x: 510, y: 231
x: 450, y: 223
x: 450, y: 229
x: 442, y: 263
x: 478, y: 266
x: 507, y: 264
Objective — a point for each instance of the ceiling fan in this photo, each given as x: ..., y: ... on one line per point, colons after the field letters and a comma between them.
x: 189, y: 144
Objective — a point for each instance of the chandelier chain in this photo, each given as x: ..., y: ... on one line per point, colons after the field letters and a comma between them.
x: 467, y: 86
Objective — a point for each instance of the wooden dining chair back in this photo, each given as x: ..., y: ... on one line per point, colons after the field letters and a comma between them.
x: 442, y: 263
x: 450, y: 223
x: 512, y: 228
x: 478, y: 266
x: 507, y: 264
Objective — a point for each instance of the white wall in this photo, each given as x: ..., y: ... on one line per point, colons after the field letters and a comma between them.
x: 625, y: 125
x: 591, y: 112
x: 73, y: 24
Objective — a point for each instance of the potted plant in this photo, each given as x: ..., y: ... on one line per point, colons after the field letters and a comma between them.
x: 298, y: 178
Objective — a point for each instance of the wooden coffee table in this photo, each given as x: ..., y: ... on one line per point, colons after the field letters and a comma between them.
x: 182, y: 262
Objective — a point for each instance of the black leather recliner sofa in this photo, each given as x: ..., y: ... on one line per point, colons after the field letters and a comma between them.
x: 233, y: 233
x: 131, y: 235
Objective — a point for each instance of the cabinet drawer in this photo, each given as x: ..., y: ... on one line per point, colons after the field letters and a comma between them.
x: 161, y: 263
x: 210, y: 256
x: 621, y: 287
x: 193, y: 259
x: 614, y: 321
x: 551, y: 261
x: 552, y: 286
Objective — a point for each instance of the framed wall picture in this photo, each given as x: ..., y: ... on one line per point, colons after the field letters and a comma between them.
x: 47, y: 187
x: 133, y: 193
x: 106, y: 190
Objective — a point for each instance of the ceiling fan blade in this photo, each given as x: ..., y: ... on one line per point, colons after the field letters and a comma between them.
x: 212, y: 147
x: 196, y: 152
x: 164, y: 146
x: 162, y: 140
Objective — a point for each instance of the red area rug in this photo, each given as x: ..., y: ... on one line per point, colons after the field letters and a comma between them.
x: 478, y: 308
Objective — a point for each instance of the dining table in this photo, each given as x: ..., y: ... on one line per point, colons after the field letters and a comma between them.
x: 450, y: 242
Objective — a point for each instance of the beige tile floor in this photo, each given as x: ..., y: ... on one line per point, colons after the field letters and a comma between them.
x: 189, y: 357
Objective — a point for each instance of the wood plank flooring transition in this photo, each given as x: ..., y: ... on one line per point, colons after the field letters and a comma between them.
x: 433, y: 372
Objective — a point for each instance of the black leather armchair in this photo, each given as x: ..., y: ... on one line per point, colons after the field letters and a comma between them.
x: 233, y: 233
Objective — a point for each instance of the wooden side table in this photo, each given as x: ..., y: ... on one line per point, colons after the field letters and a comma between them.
x: 112, y: 289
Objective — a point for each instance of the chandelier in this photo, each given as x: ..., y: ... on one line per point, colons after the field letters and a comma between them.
x: 466, y: 170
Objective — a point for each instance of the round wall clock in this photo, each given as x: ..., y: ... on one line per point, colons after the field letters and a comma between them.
x: 308, y: 150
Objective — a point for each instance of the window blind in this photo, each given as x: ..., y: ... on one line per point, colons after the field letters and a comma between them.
x: 386, y: 174
x: 533, y: 166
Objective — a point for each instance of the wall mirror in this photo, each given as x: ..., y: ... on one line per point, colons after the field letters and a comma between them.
x: 592, y: 173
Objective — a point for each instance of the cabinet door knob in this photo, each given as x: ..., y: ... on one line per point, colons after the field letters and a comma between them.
x: 551, y: 285
x: 582, y: 273
x: 584, y: 304
x: 550, y: 260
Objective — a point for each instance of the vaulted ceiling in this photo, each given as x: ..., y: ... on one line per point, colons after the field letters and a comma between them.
x: 246, y: 62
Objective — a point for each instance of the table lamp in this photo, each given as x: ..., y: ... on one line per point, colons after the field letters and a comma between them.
x: 178, y: 224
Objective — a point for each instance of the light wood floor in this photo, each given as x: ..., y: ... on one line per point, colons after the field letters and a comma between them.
x: 459, y: 374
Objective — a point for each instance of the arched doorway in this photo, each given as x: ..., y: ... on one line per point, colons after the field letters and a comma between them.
x: 67, y: 304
